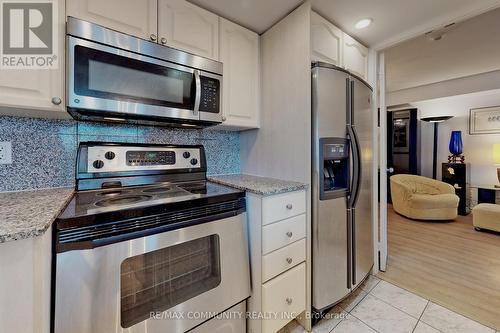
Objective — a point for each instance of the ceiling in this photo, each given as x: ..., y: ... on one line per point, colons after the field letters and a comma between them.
x: 471, y: 47
x: 397, y: 20
x: 394, y: 20
x: 256, y: 15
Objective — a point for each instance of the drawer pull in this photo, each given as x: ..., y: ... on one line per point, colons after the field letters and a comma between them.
x: 289, y: 234
x: 289, y: 206
x: 289, y: 300
x: 289, y: 260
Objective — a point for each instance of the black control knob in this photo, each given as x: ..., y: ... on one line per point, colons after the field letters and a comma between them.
x: 186, y: 154
x: 98, y: 164
x: 194, y: 161
x: 109, y: 155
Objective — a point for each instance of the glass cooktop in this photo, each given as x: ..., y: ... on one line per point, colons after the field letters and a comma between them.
x: 92, y: 202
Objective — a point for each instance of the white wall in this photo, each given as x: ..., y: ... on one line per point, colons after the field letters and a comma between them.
x: 477, y: 148
x: 464, y: 85
x: 281, y: 148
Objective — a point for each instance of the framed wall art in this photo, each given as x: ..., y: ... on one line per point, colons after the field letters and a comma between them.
x: 484, y: 120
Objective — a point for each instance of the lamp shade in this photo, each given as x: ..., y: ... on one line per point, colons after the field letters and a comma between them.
x: 496, y: 153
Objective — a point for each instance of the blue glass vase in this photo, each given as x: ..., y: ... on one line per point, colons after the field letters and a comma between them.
x: 456, y: 146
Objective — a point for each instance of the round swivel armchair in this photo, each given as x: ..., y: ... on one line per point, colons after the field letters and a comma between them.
x: 423, y: 198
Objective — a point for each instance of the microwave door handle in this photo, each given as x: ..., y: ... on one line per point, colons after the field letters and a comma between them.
x: 197, y: 98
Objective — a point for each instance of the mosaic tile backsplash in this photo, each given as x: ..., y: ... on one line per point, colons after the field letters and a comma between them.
x: 44, y: 150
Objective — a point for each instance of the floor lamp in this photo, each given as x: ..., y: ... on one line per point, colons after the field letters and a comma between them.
x: 436, y: 121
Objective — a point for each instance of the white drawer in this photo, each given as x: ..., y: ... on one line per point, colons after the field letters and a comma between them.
x: 282, y: 233
x: 284, y: 295
x: 282, y: 259
x: 281, y: 206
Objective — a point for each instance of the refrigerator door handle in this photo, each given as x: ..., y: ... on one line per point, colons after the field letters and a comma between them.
x: 348, y: 102
x: 353, y: 245
x: 357, y: 167
x: 356, y: 151
x: 349, y: 248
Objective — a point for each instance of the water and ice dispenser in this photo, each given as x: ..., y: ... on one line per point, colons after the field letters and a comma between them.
x: 334, y: 157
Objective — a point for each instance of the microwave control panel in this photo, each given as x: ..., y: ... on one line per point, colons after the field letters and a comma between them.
x: 210, y: 94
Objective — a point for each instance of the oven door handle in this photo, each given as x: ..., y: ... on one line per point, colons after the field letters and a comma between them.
x: 94, y: 242
x: 197, y: 98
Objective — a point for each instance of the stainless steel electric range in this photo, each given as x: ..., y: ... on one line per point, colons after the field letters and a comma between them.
x: 147, y: 244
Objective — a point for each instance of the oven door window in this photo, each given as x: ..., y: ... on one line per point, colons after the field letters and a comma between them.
x: 109, y: 76
x: 159, y: 280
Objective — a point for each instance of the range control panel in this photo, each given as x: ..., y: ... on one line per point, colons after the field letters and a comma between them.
x: 150, y: 158
x: 129, y: 158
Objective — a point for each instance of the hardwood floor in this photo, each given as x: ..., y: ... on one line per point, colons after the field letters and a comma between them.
x: 448, y: 263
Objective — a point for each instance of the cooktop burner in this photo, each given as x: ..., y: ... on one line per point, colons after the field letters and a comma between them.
x: 161, y: 189
x: 122, y: 200
x: 113, y: 193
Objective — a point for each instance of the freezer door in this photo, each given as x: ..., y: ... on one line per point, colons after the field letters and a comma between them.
x: 329, y: 217
x: 362, y: 224
x: 330, y: 253
x: 329, y: 103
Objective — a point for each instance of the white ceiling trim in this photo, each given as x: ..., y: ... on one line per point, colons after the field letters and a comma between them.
x: 438, y: 22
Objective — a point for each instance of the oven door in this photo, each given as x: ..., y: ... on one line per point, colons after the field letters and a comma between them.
x: 109, y: 82
x: 168, y: 282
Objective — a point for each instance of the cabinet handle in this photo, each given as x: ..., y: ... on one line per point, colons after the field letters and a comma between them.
x: 224, y: 118
x: 289, y: 300
x: 289, y: 234
x: 289, y: 260
x: 163, y: 40
x: 289, y: 206
x: 56, y: 100
x: 153, y: 37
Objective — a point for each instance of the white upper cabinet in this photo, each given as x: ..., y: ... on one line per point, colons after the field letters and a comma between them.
x: 36, y: 92
x: 355, y: 57
x: 239, y: 53
x: 134, y: 17
x: 185, y: 26
x: 330, y: 44
x: 326, y: 41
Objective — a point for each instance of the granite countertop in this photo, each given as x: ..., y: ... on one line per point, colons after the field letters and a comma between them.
x: 29, y: 214
x: 258, y: 185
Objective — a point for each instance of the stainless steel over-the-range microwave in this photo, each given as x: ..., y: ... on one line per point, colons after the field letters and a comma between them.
x: 112, y: 76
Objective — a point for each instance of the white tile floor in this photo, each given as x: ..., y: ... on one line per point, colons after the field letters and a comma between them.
x: 378, y: 306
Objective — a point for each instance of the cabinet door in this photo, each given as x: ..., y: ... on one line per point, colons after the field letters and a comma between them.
x: 25, y: 284
x: 134, y: 17
x: 239, y: 52
x: 326, y: 41
x: 189, y: 28
x: 36, y: 93
x: 355, y: 57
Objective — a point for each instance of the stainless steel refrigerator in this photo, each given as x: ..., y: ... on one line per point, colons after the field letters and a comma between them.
x: 341, y: 184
